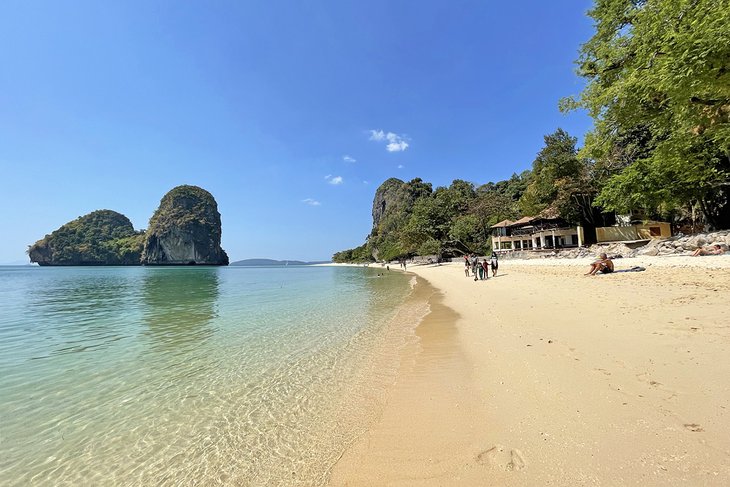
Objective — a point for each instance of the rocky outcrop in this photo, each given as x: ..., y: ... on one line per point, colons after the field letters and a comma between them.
x: 103, y: 237
x: 681, y: 244
x: 386, y: 199
x: 185, y: 230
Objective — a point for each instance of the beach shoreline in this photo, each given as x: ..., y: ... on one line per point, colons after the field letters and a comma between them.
x: 543, y: 376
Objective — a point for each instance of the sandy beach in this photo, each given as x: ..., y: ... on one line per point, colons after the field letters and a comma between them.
x: 542, y: 376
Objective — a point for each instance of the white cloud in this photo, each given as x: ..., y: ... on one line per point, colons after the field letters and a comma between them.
x: 395, y: 142
x: 328, y: 176
x: 399, y: 146
x: 365, y: 182
x: 311, y: 202
x: 347, y: 158
x: 401, y: 166
x: 335, y: 180
x: 377, y: 135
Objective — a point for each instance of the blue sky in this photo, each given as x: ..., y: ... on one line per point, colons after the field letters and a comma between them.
x: 290, y: 113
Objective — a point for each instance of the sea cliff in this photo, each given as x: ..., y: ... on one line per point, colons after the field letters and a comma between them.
x: 185, y: 229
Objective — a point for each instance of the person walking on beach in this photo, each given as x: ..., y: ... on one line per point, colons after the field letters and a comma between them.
x: 480, y: 269
x: 495, y: 264
x: 466, y: 265
x: 474, y: 264
x: 485, y: 266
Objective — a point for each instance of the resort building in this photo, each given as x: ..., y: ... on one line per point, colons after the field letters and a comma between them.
x: 535, y: 233
x: 530, y: 233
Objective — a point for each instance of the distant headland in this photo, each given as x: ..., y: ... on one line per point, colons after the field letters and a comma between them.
x: 184, y: 230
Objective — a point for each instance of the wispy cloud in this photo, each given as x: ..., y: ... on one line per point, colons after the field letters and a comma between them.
x: 394, y: 142
x: 377, y: 135
x: 328, y: 176
x: 401, y: 166
x: 311, y: 202
x: 349, y: 159
x: 335, y: 180
x: 366, y: 182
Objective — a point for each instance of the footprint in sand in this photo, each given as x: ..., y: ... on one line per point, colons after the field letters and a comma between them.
x: 694, y: 427
x: 501, y: 457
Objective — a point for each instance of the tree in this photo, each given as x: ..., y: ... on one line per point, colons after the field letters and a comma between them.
x: 467, y: 233
x: 660, y: 70
x: 557, y: 175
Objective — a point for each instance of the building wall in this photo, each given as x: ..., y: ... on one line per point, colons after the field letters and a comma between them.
x: 654, y: 230
x: 634, y: 232
x: 612, y: 234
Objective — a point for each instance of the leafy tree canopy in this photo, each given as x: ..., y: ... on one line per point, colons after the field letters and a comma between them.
x: 658, y: 88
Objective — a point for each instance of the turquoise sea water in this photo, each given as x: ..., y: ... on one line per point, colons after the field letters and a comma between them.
x: 189, y: 376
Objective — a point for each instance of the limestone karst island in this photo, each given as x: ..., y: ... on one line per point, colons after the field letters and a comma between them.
x: 184, y: 230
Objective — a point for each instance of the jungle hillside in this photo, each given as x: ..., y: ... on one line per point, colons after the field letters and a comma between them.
x: 657, y: 86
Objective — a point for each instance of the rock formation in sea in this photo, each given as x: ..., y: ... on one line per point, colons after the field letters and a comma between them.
x: 103, y: 237
x: 185, y: 230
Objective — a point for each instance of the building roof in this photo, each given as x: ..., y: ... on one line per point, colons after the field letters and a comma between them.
x: 503, y: 223
x: 549, y: 213
x: 522, y: 221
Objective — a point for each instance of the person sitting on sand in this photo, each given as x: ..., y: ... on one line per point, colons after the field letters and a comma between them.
x: 714, y: 250
x: 603, y: 265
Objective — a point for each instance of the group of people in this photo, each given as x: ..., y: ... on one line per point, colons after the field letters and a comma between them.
x: 480, y: 269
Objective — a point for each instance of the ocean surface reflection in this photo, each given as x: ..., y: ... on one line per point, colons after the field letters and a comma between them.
x: 85, y: 309
x: 179, y: 305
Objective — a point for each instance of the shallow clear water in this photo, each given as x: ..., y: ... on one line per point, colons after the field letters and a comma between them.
x: 189, y: 376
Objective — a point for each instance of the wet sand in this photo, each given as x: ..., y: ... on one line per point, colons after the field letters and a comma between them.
x: 545, y: 377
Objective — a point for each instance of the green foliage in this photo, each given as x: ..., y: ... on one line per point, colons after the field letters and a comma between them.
x: 658, y: 88
x: 412, y: 219
x: 470, y: 232
x: 183, y: 206
x: 557, y: 175
x: 359, y: 254
x: 190, y: 211
x: 103, y: 237
x: 430, y: 247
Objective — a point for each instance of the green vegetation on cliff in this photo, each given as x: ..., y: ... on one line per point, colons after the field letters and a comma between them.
x: 102, y: 237
x: 185, y: 229
x: 411, y: 218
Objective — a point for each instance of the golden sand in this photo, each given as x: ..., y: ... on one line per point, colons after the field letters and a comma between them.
x: 545, y: 377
